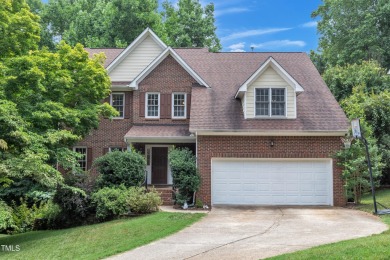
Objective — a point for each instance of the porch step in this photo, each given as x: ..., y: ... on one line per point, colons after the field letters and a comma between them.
x: 166, y: 195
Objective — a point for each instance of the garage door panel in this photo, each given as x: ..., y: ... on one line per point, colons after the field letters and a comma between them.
x: 273, y: 182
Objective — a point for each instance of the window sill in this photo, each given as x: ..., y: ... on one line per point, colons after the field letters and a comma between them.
x: 270, y: 117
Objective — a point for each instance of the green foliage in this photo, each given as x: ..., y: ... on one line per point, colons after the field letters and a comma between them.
x: 19, y: 28
x: 342, y: 79
x: 141, y: 201
x: 374, y: 110
x: 198, y: 203
x: 21, y: 217
x: 6, y: 219
x: 110, y: 202
x: 116, y: 168
x: 190, y: 25
x: 353, y: 160
x: 100, y: 23
x: 354, y: 30
x: 355, y: 172
x: 184, y: 173
x: 74, y: 203
x: 48, y: 101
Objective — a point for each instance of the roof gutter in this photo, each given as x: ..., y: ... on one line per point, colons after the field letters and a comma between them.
x: 269, y: 133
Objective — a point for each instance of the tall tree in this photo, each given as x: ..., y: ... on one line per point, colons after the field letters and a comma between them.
x: 190, y: 25
x: 48, y: 100
x: 101, y: 23
x: 354, y: 30
x: 342, y: 79
x: 19, y: 28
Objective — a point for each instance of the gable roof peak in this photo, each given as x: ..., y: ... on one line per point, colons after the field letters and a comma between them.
x: 270, y: 62
x: 158, y: 60
x: 146, y: 33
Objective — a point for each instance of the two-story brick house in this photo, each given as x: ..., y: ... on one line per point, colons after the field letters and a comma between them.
x: 264, y: 126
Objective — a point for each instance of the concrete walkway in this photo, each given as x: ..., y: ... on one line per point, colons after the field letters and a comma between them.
x: 259, y: 232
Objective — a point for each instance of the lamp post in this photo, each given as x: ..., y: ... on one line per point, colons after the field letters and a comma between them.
x: 357, y: 133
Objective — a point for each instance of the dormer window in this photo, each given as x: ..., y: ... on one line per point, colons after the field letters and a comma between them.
x: 270, y: 102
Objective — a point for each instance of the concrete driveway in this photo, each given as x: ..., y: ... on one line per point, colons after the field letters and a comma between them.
x: 259, y: 232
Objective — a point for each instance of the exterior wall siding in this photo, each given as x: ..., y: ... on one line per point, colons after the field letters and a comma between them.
x: 259, y: 147
x: 270, y: 79
x: 136, y: 61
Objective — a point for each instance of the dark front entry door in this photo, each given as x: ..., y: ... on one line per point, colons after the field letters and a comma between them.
x: 159, y: 165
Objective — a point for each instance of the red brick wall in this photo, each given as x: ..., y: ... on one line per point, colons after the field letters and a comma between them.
x: 166, y: 78
x: 259, y: 147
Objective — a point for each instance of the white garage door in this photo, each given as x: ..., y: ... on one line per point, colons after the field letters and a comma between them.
x: 271, y: 182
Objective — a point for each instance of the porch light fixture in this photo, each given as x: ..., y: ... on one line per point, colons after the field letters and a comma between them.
x: 272, y: 143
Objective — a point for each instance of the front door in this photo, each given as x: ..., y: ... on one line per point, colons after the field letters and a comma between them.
x: 159, y: 165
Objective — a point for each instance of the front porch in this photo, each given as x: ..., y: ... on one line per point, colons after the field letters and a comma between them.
x: 154, y: 142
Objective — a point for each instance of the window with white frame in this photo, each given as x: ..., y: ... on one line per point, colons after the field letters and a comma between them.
x: 179, y: 105
x: 82, y: 161
x: 118, y: 102
x: 270, y: 102
x: 152, y: 105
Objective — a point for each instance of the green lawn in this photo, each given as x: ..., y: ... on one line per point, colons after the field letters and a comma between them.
x: 96, y: 241
x: 372, y: 247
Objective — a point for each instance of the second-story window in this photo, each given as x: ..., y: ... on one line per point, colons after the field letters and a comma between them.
x: 152, y: 105
x: 179, y: 105
x: 270, y: 102
x: 118, y: 102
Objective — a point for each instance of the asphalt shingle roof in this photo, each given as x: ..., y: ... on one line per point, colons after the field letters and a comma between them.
x: 216, y: 108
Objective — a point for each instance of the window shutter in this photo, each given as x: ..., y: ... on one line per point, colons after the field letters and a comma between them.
x: 105, y: 150
x: 169, y: 105
x: 188, y: 105
x: 142, y: 104
x: 127, y: 109
x: 163, y: 106
x: 89, y: 158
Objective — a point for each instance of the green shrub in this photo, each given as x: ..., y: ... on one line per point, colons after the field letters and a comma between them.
x: 6, y: 219
x: 110, y: 202
x: 198, y: 203
x: 117, y: 168
x: 22, y: 218
x: 47, y: 215
x: 184, y: 173
x: 141, y: 201
x: 75, y: 206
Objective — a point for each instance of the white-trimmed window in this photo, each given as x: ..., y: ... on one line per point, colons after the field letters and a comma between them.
x: 152, y: 105
x: 82, y: 161
x: 179, y: 101
x: 270, y: 102
x: 118, y: 102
